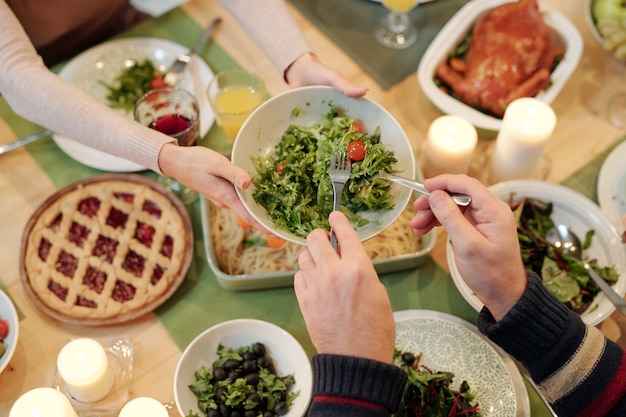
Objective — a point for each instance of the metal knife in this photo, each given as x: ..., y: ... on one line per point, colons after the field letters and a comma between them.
x: 23, y: 141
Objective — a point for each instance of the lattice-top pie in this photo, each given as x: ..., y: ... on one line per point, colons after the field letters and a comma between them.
x: 106, y: 249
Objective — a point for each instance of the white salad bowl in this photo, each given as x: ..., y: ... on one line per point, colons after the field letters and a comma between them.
x: 286, y: 352
x: 581, y: 215
x: 264, y: 128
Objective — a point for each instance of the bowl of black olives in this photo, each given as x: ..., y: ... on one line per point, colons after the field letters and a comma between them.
x: 243, y: 368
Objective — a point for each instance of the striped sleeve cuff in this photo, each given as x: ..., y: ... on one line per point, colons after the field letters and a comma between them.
x: 359, y: 379
x: 574, y: 365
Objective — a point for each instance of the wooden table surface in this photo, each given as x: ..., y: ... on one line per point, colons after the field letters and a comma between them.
x: 581, y: 134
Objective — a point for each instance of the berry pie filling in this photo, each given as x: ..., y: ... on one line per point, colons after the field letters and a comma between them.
x: 114, y: 240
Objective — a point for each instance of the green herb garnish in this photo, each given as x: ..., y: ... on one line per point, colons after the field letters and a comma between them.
x: 428, y: 393
x: 242, y: 380
x: 563, y: 275
x: 131, y: 84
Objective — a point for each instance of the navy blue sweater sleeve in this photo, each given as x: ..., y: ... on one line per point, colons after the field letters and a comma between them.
x: 349, y: 386
x: 578, y: 370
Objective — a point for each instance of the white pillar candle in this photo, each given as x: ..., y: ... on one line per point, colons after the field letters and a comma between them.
x: 84, y: 367
x: 526, y: 128
x: 142, y: 407
x: 450, y: 145
x: 42, y: 402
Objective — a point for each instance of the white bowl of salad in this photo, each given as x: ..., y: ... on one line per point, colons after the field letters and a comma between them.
x: 9, y: 330
x: 548, y: 204
x: 256, y: 364
x: 286, y: 145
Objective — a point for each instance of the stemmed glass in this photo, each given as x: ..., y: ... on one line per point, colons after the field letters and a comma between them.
x: 395, y: 29
x: 174, y: 112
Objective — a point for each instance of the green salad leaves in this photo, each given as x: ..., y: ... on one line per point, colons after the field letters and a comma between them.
x: 563, y: 275
x: 131, y: 84
x: 429, y: 393
x: 242, y: 381
x: 294, y: 186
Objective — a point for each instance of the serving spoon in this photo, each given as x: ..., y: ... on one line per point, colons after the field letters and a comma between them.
x: 563, y: 237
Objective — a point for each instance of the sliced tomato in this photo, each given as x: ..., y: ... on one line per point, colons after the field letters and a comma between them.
x: 4, y: 329
x: 358, y: 126
x: 275, y: 242
x: 280, y: 168
x: 157, y: 82
x: 356, y: 150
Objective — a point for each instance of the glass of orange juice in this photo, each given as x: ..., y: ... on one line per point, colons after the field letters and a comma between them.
x: 395, y: 29
x: 233, y: 95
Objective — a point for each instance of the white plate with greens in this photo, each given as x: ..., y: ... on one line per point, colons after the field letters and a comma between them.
x: 612, y: 185
x: 103, y: 64
x: 450, y: 344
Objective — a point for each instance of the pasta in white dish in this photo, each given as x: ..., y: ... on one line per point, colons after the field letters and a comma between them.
x: 243, y: 250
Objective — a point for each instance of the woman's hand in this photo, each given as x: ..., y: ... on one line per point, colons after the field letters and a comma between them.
x: 209, y: 173
x: 308, y: 70
x: 346, y: 308
x: 483, y: 236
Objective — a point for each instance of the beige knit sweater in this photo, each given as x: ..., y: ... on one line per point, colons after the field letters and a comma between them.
x: 38, y: 95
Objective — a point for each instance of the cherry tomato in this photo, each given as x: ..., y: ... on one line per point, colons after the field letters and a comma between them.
x: 4, y: 329
x: 157, y: 82
x: 358, y: 126
x: 356, y: 150
x: 275, y: 242
x: 280, y: 168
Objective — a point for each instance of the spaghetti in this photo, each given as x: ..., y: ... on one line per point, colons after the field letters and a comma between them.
x: 242, y: 250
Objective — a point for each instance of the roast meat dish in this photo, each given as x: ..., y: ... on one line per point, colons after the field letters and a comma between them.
x: 511, y: 54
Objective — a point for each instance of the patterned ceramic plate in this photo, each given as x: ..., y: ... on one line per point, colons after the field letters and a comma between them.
x: 450, y: 344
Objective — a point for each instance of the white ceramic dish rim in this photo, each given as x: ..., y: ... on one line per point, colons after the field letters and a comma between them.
x: 590, y: 21
x: 316, y: 96
x: 198, y: 75
x: 455, y: 30
x: 241, y: 332
x: 612, y: 185
x: 522, y: 401
x: 581, y: 215
x: 8, y: 312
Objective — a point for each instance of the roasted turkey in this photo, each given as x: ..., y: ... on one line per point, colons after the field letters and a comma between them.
x: 511, y: 54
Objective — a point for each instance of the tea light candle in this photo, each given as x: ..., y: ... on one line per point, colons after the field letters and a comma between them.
x: 143, y: 406
x: 450, y: 145
x: 42, y: 402
x: 83, y: 365
x: 526, y: 128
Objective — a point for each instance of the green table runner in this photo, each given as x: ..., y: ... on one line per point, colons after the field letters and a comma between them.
x: 201, y: 302
x: 350, y: 24
x: 585, y: 180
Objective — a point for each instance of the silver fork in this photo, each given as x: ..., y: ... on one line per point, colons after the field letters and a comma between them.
x: 177, y: 70
x: 460, y: 199
x: 339, y: 174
